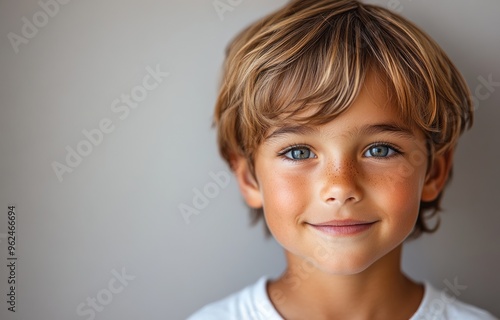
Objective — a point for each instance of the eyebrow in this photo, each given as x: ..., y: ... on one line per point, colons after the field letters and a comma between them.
x: 392, y: 128
x: 369, y: 129
x: 298, y: 130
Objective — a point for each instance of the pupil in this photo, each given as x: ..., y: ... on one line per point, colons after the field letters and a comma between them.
x: 380, y: 151
x: 300, y: 153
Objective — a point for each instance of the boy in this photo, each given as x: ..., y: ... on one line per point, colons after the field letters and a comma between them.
x: 339, y: 120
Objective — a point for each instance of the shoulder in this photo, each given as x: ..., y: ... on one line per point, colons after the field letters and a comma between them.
x: 251, y: 302
x: 437, y: 304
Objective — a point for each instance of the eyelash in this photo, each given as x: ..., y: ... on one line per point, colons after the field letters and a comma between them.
x: 283, y: 153
x: 397, y: 151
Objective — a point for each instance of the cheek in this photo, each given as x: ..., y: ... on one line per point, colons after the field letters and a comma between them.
x: 285, y: 198
x: 398, y: 195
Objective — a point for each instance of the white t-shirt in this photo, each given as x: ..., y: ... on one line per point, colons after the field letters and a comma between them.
x: 252, y: 303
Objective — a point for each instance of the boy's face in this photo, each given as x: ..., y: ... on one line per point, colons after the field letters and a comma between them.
x: 344, y: 194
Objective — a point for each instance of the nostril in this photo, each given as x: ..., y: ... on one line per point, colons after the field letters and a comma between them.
x: 350, y: 199
x: 341, y: 199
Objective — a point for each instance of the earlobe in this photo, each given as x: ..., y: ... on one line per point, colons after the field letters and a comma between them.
x: 438, y: 176
x: 249, y: 187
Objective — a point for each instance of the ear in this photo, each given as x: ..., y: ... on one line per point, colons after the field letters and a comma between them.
x: 249, y: 187
x: 438, y: 176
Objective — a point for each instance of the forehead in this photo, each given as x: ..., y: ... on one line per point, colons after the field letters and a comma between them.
x: 373, y: 110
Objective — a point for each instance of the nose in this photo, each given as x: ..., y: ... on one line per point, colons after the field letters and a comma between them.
x: 341, y: 183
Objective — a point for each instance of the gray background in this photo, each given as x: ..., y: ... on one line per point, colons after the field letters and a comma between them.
x: 119, y: 207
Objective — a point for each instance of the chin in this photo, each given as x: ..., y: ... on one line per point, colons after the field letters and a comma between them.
x: 346, y: 267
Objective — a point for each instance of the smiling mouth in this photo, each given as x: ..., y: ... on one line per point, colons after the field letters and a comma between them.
x: 343, y: 227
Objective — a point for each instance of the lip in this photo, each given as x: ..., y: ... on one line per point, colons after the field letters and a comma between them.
x: 343, y: 227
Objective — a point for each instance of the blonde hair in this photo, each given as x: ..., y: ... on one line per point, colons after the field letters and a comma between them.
x: 316, y: 54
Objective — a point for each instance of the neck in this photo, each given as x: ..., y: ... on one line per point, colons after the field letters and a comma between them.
x: 381, y: 291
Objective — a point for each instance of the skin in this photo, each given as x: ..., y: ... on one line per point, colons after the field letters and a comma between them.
x: 336, y: 172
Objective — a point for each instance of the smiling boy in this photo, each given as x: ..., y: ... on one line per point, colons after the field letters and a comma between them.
x: 339, y: 120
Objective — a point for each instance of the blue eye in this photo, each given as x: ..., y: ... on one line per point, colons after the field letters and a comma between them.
x: 381, y: 151
x: 299, y: 153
